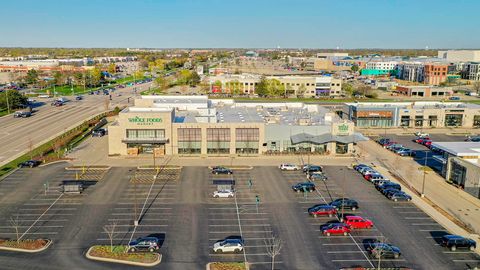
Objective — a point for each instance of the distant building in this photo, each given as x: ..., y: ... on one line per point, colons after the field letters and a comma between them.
x: 471, y: 71
x: 460, y: 55
x: 424, y: 91
x: 411, y: 71
x: 331, y: 55
x: 435, y: 73
x: 251, y: 54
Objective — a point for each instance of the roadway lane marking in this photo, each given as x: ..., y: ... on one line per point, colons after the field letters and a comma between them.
x: 48, y: 214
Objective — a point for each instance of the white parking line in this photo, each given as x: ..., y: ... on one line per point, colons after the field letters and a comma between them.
x: 383, y: 260
x: 47, y: 214
x: 339, y: 244
x: 418, y: 218
x: 344, y: 251
x: 243, y: 225
x: 425, y: 224
x: 231, y: 231
x: 474, y: 261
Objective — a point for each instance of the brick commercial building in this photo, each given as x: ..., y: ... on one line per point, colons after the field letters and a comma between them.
x: 435, y: 74
x: 195, y: 125
x: 423, y: 91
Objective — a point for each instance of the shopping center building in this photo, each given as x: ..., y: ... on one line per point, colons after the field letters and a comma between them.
x: 412, y: 114
x: 196, y: 125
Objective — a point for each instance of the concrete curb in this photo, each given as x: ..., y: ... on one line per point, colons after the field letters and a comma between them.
x: 49, y: 242
x: 174, y: 167
x: 79, y: 168
x: 247, y: 267
x: 94, y: 258
x: 8, y: 174
x: 53, y: 162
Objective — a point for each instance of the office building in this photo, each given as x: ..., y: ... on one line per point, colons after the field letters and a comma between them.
x: 460, y: 55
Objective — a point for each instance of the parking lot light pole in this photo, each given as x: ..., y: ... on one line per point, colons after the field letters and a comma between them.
x: 424, y: 175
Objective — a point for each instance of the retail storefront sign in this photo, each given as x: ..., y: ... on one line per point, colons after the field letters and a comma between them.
x: 144, y: 120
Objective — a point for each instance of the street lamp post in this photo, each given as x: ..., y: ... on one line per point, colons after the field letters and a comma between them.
x: 424, y: 174
x: 6, y: 97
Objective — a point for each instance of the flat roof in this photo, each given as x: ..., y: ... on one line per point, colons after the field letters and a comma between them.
x: 146, y: 110
x: 459, y: 148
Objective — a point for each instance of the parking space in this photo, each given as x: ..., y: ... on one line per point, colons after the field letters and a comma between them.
x: 402, y: 224
x: 149, y: 198
x: 45, y: 210
x: 243, y: 215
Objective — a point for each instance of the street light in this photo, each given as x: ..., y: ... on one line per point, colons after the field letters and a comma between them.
x: 424, y: 174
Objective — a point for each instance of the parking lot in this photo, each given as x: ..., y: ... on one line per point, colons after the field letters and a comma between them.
x: 182, y: 212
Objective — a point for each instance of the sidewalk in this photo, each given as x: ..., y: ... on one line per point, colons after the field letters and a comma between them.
x: 455, y: 202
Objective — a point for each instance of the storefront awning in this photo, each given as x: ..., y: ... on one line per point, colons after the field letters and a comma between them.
x: 145, y: 140
x: 326, y: 138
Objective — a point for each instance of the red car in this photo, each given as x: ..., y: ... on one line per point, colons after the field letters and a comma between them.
x: 389, y: 143
x: 322, y: 210
x: 427, y: 143
x: 420, y: 140
x: 357, y: 222
x: 335, y: 228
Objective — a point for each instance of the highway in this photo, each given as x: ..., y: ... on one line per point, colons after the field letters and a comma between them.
x: 18, y: 134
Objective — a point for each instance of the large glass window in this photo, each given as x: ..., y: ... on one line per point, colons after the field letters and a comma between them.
x: 341, y: 148
x: 432, y: 120
x: 405, y: 121
x: 246, y: 140
x: 320, y: 148
x: 476, y: 121
x: 218, y: 140
x: 189, y: 140
x: 145, y: 133
x: 418, y: 120
x: 457, y: 174
x: 453, y: 120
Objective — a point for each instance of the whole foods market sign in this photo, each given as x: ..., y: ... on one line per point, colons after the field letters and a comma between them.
x: 144, y: 120
x: 342, y: 129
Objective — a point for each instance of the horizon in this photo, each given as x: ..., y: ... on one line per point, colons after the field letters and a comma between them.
x: 250, y: 24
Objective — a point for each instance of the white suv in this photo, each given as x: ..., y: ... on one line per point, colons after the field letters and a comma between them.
x: 228, y: 245
x: 223, y: 194
x: 288, y: 167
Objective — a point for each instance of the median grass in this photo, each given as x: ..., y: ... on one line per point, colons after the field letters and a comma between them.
x: 120, y: 253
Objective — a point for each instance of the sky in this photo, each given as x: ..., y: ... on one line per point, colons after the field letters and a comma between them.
x: 345, y: 24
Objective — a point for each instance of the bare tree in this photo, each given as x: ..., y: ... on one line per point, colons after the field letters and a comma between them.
x: 476, y: 87
x: 110, y: 231
x: 15, y: 223
x: 273, y: 244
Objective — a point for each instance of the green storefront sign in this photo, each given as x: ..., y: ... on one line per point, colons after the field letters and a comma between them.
x: 342, y: 129
x: 144, y: 120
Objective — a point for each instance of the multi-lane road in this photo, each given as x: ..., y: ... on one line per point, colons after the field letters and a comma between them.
x: 18, y: 134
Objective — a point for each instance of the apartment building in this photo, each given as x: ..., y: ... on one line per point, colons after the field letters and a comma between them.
x: 471, y: 71
x: 308, y: 86
x: 411, y: 71
x: 435, y: 73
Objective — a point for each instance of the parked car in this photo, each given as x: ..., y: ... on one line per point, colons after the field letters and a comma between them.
x: 312, y: 168
x: 421, y: 139
x: 369, y: 171
x: 313, y: 176
x: 29, y: 164
x: 223, y: 194
x: 335, y: 228
x: 400, y: 196
x: 150, y: 244
x: 473, y: 139
x: 384, y: 250
x: 393, y: 146
x: 357, y: 222
x: 100, y: 132
x: 389, y: 185
x: 454, y: 98
x: 302, y: 187
x: 453, y: 242
x: 346, y: 203
x: 288, y: 167
x: 373, y: 176
x: 221, y: 170
x: 389, y: 192
x: 21, y: 114
x: 421, y: 134
x: 359, y: 166
x: 228, y: 245
x: 322, y: 210
x: 404, y: 152
x: 380, y: 182
x: 362, y: 169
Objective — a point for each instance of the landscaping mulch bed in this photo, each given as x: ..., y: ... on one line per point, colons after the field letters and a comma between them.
x: 119, y: 253
x: 30, y: 244
x: 227, y: 266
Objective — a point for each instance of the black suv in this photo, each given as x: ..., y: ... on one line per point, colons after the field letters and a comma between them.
x: 99, y: 132
x: 389, y: 185
x: 302, y: 187
x: 345, y: 203
x: 456, y: 241
x: 221, y: 170
x: 150, y: 244
x: 29, y: 164
x: 312, y: 168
